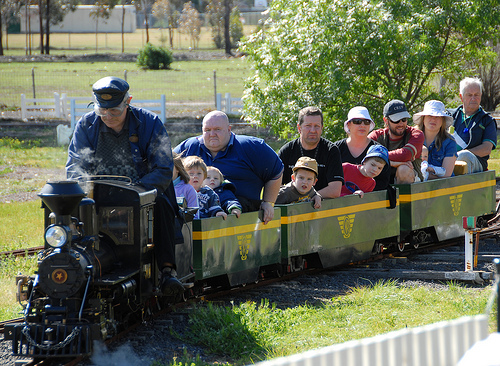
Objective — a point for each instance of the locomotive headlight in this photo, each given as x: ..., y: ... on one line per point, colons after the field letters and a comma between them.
x: 56, y: 236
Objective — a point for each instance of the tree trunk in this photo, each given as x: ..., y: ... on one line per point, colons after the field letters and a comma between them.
x: 147, y: 23
x: 1, y: 35
x: 123, y: 27
x: 40, y: 18
x: 47, y: 30
x: 171, y: 36
x: 227, y: 16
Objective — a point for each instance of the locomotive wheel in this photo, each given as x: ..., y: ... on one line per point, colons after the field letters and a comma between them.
x: 401, y: 246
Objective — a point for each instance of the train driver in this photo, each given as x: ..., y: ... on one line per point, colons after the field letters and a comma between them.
x: 119, y: 139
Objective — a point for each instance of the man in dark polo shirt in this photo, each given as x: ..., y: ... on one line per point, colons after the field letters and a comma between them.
x: 119, y: 139
x: 311, y: 144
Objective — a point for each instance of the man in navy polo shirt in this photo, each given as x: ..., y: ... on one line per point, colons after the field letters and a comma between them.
x: 248, y: 162
x: 475, y: 130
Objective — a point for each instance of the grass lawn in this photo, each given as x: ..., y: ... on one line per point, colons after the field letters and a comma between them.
x: 80, y: 43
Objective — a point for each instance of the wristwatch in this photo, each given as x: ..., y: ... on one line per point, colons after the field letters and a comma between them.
x: 271, y: 203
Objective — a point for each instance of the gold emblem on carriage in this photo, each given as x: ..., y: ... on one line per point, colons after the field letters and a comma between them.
x: 456, y: 201
x: 244, y: 245
x: 346, y: 222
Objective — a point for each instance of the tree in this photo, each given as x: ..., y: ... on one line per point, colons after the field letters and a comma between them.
x: 489, y: 73
x: 340, y: 54
x: 8, y: 9
x: 215, y: 14
x: 235, y: 27
x: 102, y: 9
x: 145, y: 6
x: 224, y: 19
x: 166, y: 9
x: 190, y: 23
x: 53, y: 12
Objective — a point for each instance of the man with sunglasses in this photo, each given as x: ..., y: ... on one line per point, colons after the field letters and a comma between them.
x: 403, y: 142
x: 311, y: 144
x: 119, y: 139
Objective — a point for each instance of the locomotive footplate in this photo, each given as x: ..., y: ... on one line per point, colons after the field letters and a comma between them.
x: 115, y: 277
x: 55, y: 340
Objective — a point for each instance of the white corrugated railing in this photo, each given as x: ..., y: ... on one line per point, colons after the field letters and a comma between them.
x: 439, y: 344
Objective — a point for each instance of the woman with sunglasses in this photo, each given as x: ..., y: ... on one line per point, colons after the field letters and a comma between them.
x: 354, y: 148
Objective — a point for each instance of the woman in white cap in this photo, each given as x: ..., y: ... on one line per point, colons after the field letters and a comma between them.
x: 434, y: 121
x: 354, y: 148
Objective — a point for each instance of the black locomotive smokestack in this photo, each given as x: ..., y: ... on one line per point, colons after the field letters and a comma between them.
x: 62, y: 197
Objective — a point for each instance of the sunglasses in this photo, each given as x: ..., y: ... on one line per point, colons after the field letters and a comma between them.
x: 404, y: 120
x: 358, y: 121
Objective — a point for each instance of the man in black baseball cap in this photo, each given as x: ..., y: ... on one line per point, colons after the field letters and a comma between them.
x: 403, y: 142
x: 120, y: 139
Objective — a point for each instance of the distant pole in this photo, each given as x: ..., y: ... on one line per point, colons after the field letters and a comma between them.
x: 33, y: 82
x: 69, y: 40
x: 125, y: 75
x: 215, y: 88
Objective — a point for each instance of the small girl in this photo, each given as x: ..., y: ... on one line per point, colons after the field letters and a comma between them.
x: 183, y: 190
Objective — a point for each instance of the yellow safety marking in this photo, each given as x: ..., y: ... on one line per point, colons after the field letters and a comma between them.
x: 406, y: 198
x: 235, y: 230
x: 322, y: 214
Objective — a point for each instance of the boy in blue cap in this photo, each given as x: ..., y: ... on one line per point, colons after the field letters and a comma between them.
x: 360, y: 178
x: 119, y: 139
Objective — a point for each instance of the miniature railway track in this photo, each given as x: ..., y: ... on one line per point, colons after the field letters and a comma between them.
x: 21, y: 252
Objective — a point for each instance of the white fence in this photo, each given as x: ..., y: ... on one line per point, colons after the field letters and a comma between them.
x: 439, y: 344
x: 40, y: 107
x: 228, y: 105
x: 73, y: 108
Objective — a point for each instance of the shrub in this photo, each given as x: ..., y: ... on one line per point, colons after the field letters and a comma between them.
x: 154, y: 58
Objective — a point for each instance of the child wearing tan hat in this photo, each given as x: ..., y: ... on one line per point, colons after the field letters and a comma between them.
x: 301, y: 188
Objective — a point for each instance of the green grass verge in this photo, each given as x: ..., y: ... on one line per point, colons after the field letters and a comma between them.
x: 9, y: 268
x: 22, y: 225
x: 249, y: 332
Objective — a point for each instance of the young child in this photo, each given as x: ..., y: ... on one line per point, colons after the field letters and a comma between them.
x: 427, y: 168
x: 359, y: 178
x: 207, y: 198
x: 224, y: 189
x: 183, y: 190
x: 300, y: 189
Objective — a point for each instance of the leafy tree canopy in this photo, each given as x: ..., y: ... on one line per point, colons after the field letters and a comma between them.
x: 337, y: 54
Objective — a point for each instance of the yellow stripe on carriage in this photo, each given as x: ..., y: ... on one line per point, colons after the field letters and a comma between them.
x: 322, y: 214
x: 235, y: 230
x: 406, y: 198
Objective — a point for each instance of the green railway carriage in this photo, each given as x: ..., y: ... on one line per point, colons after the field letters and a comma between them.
x: 344, y: 230
x: 432, y: 211
x: 238, y: 249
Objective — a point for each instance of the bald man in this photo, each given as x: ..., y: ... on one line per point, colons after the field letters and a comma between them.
x: 248, y: 162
